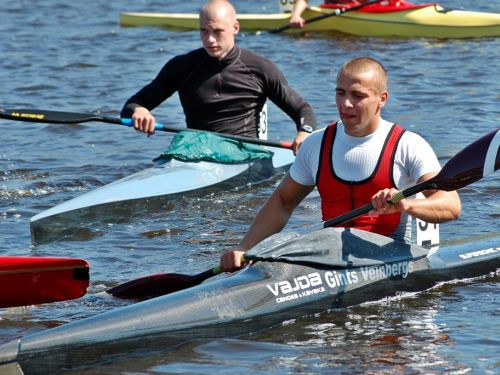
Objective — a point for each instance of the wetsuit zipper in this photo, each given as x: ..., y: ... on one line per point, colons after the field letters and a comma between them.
x: 218, y: 85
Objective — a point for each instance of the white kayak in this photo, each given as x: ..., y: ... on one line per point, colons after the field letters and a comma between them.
x: 152, y: 188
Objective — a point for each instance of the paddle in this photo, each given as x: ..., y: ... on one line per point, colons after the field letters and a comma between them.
x: 33, y: 280
x: 474, y: 162
x: 337, y: 12
x: 55, y: 117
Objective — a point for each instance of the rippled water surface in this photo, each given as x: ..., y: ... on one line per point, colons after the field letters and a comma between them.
x: 73, y: 56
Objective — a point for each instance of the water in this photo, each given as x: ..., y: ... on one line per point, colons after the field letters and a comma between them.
x: 73, y: 56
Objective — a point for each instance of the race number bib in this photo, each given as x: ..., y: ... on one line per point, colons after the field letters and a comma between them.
x: 262, y: 123
x: 427, y: 234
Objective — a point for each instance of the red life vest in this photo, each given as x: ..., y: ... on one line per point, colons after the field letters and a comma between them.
x: 382, y: 7
x: 339, y: 196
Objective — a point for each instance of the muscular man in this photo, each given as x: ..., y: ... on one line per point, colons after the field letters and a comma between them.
x: 360, y: 158
x: 222, y: 88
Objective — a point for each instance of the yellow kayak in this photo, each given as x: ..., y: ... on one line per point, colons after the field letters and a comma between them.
x: 430, y: 20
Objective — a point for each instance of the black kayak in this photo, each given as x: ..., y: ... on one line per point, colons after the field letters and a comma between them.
x: 292, y: 276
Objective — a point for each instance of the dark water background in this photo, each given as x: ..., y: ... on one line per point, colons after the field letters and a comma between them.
x: 73, y: 56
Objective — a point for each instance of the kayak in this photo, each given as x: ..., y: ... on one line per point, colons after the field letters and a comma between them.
x: 34, y: 280
x: 408, y: 20
x: 196, y: 162
x: 153, y: 188
x: 293, y: 276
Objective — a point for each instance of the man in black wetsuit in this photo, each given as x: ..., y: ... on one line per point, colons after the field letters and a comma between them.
x: 222, y: 88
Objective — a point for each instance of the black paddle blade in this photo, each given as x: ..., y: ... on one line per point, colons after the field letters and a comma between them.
x: 49, y: 117
x: 157, y: 285
x: 474, y: 162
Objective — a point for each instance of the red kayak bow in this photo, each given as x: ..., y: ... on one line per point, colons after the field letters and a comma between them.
x: 34, y: 280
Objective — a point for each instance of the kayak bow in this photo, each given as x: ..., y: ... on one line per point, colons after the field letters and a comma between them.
x: 34, y: 280
x: 152, y: 189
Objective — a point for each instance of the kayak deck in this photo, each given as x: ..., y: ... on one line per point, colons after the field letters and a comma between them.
x: 429, y: 21
x: 152, y: 189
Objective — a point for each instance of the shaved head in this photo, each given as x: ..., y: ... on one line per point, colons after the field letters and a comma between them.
x: 362, y: 65
x: 218, y: 10
x: 218, y: 27
x: 361, y: 93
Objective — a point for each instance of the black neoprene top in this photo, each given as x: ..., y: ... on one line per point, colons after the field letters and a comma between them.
x: 225, y: 95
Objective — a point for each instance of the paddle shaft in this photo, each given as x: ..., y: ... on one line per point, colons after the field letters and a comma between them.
x: 55, y: 117
x: 337, y: 12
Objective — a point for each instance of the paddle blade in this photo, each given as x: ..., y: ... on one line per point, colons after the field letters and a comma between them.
x: 49, y: 117
x: 474, y: 162
x: 157, y: 285
x: 34, y: 280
